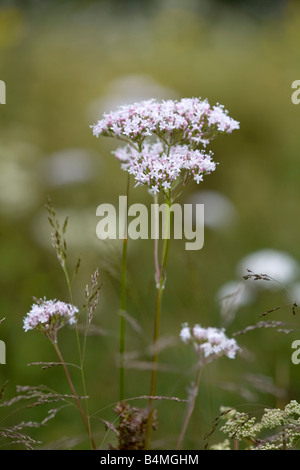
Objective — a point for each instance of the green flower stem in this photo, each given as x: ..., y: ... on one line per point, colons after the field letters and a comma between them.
x: 122, y: 320
x: 190, y: 410
x: 123, y: 304
x: 160, y: 282
x: 156, y: 262
x: 79, y: 351
x: 81, y: 411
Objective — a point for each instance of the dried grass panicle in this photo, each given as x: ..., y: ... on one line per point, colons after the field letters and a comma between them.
x: 16, y: 437
x: 51, y: 414
x: 257, y: 276
x: 265, y: 324
x: 31, y: 397
x: 92, y: 296
x: 38, y: 395
x: 2, y: 390
x: 266, y: 277
x: 215, y: 423
x: 12, y: 435
x: 294, y: 306
x: 57, y: 236
x: 49, y: 365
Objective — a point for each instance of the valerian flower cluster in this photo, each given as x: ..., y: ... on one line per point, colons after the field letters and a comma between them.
x: 48, y: 316
x: 277, y: 429
x: 209, y: 342
x: 166, y: 141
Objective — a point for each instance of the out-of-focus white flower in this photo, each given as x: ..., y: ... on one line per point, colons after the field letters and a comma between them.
x: 185, y: 333
x: 210, y: 343
x: 199, y: 333
x: 48, y: 316
x: 81, y: 228
x: 235, y: 293
x: 69, y: 166
x: 19, y: 188
x: 81, y: 231
x: 225, y: 445
x: 219, y: 212
x: 280, y: 267
x: 294, y: 293
x: 232, y: 295
x: 128, y: 89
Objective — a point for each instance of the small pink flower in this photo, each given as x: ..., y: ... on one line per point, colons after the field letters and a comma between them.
x: 48, y: 316
x: 209, y: 342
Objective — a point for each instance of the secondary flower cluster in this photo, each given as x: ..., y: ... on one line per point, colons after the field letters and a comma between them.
x: 181, y: 128
x: 158, y: 169
x: 209, y: 342
x: 48, y: 316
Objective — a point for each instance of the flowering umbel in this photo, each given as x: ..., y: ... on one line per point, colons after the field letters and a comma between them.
x: 210, y: 342
x: 166, y: 141
x: 48, y: 316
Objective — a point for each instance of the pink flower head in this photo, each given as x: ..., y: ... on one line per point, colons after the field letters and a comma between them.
x: 192, y: 118
x: 210, y: 342
x: 181, y: 130
x: 48, y: 316
x: 159, y: 170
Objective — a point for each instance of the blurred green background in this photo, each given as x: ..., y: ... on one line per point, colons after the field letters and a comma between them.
x: 64, y: 64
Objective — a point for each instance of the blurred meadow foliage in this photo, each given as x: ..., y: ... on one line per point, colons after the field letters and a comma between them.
x: 64, y: 64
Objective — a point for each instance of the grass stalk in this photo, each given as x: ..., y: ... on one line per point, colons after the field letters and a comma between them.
x: 123, y: 306
x: 160, y: 283
x: 79, y: 406
x: 190, y: 410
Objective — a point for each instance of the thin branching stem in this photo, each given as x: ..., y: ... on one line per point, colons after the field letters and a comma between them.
x: 59, y: 243
x: 190, y: 410
x: 160, y: 282
x: 84, y: 418
x: 123, y: 303
x: 155, y: 248
x: 69, y: 283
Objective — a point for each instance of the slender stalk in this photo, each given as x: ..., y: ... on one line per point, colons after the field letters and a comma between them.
x: 156, y: 228
x: 59, y: 244
x: 79, y: 350
x: 123, y: 303
x: 160, y: 282
x: 81, y: 411
x: 190, y: 410
x: 155, y: 348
